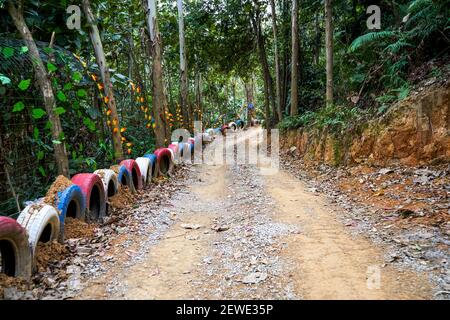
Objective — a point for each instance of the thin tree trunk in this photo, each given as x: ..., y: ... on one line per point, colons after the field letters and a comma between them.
x: 268, y: 87
x: 317, y: 40
x: 277, y: 60
x: 104, y: 71
x: 184, y: 92
x: 45, y: 85
x: 294, y: 63
x: 249, y: 95
x: 329, y: 49
x: 159, y: 99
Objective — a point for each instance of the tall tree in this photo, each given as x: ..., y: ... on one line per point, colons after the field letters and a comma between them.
x: 106, y: 77
x: 268, y: 82
x: 277, y: 60
x: 329, y: 49
x: 15, y: 9
x: 159, y: 98
x: 184, y: 92
x: 294, y: 61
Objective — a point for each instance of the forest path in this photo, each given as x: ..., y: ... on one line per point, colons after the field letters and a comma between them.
x: 240, y: 234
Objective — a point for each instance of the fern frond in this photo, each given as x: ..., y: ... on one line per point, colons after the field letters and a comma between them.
x: 370, y: 37
x: 418, y: 5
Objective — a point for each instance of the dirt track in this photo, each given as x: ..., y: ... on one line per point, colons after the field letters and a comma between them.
x: 236, y: 233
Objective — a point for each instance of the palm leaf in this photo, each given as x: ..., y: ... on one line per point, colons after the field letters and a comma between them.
x: 369, y: 38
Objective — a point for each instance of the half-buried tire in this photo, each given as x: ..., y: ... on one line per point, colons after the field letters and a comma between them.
x: 164, y: 161
x: 71, y: 203
x: 146, y: 170
x: 110, y: 183
x: 15, y: 253
x: 232, y: 125
x: 92, y: 187
x: 152, y: 158
x: 42, y: 224
x: 136, y: 176
x: 124, y: 178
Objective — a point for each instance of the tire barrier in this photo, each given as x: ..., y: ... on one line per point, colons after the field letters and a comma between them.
x: 42, y: 225
x: 240, y: 124
x: 145, y: 168
x: 136, y: 175
x: 191, y: 141
x: 152, y: 158
x: 210, y: 131
x: 223, y: 129
x: 72, y: 203
x: 164, y: 162
x: 217, y: 131
x: 184, y: 148
x: 15, y: 253
x: 92, y: 187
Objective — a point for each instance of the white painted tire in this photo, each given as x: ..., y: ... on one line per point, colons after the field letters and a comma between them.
x: 172, y: 156
x: 35, y: 219
x: 144, y: 166
x: 233, y: 126
x: 108, y: 176
x: 210, y: 132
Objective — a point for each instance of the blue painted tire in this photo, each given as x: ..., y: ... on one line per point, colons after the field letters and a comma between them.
x: 153, y: 159
x: 71, y: 201
x: 125, y: 179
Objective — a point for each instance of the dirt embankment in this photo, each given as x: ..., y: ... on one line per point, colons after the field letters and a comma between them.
x: 413, y: 132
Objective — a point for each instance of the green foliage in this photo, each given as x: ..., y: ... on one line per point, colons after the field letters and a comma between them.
x: 24, y: 84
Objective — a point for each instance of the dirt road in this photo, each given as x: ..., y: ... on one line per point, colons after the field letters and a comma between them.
x: 234, y: 233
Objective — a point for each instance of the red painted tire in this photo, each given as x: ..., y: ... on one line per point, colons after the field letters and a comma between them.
x: 164, y: 163
x: 92, y: 187
x: 136, y: 175
x: 191, y: 141
x: 15, y: 251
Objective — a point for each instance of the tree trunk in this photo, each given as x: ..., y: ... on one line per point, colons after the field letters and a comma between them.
x: 104, y: 71
x: 317, y: 40
x: 277, y: 60
x: 329, y: 48
x: 184, y: 92
x: 249, y: 96
x: 159, y: 99
x: 268, y: 85
x: 294, y: 61
x: 45, y: 85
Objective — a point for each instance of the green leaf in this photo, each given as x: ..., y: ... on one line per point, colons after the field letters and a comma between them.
x: 42, y: 171
x: 61, y: 96
x: 40, y: 155
x: 37, y: 113
x: 4, y: 79
x: 68, y: 86
x: 77, y: 76
x: 81, y: 93
x: 36, y: 133
x: 24, y: 84
x: 19, y: 106
x: 51, y: 67
x: 59, y: 110
x: 24, y: 49
x: 56, y: 142
x: 89, y: 123
x: 8, y: 52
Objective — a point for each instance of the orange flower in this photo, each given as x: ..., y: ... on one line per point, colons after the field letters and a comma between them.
x: 94, y: 77
x: 148, y: 125
x: 108, y: 112
x: 115, y: 130
x: 123, y: 139
x: 108, y: 123
x: 138, y: 89
x: 142, y: 108
x: 114, y: 122
x: 123, y: 129
x: 106, y: 99
x: 142, y: 99
x: 145, y: 117
x: 154, y: 125
x: 129, y: 151
x: 129, y: 144
x: 100, y: 86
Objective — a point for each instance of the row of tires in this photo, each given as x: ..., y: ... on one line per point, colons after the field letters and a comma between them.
x: 233, y: 126
x: 85, y: 199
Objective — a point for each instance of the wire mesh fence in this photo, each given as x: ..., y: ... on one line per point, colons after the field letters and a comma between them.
x: 27, y: 164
